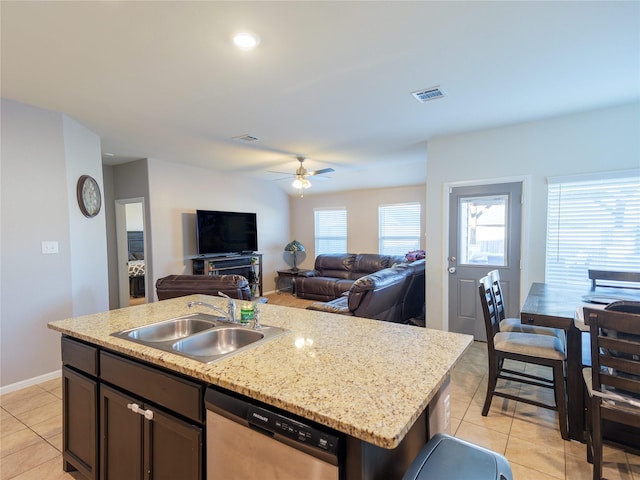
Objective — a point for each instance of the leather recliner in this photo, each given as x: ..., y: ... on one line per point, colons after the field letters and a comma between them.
x: 171, y: 286
x: 413, y: 305
x: 334, y: 274
x: 394, y: 294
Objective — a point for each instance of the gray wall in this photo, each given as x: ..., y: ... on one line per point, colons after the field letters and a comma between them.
x: 596, y: 141
x: 43, y: 154
x: 112, y: 253
x: 176, y: 191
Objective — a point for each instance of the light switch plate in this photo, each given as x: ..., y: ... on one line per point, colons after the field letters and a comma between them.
x: 49, y: 247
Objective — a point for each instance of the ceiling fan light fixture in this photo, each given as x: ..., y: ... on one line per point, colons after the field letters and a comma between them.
x: 246, y: 40
x: 300, y: 183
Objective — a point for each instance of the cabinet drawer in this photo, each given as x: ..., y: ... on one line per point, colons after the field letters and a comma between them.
x: 162, y: 388
x: 80, y: 355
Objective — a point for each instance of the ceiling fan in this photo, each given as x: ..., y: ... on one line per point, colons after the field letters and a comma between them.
x: 301, y: 181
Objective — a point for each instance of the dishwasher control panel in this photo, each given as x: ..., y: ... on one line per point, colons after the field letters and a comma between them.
x: 287, y: 427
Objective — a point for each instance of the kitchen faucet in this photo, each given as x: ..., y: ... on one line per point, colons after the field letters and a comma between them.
x: 231, y: 307
x: 230, y: 315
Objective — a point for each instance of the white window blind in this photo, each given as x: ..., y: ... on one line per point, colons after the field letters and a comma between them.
x: 398, y: 228
x: 330, y: 230
x: 592, y: 223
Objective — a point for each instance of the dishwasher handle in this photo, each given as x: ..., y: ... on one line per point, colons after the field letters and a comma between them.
x: 261, y: 429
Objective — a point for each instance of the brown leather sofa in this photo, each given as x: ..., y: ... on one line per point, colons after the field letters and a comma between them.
x: 395, y: 294
x: 171, y: 286
x: 333, y: 274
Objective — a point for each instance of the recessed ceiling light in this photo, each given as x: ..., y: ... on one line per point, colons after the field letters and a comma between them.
x: 246, y: 40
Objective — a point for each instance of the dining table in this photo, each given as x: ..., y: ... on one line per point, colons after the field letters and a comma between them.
x: 560, y: 306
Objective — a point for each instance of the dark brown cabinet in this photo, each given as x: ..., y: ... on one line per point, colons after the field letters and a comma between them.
x: 140, y: 441
x: 123, y: 419
x: 79, y: 420
x: 122, y: 437
x: 79, y: 412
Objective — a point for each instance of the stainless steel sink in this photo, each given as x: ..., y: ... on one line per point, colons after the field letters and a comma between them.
x: 199, y: 336
x: 172, y: 329
x: 214, y: 343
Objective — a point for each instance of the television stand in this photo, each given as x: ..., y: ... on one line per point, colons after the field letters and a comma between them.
x: 249, y: 265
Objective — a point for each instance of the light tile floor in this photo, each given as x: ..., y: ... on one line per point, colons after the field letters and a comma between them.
x: 31, y: 431
x: 527, y: 435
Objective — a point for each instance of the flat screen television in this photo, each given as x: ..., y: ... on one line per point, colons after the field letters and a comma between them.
x: 220, y: 233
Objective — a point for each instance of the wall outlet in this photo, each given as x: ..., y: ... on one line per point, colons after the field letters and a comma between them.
x: 49, y: 247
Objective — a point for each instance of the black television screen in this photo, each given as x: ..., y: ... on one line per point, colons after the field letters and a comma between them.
x: 225, y: 232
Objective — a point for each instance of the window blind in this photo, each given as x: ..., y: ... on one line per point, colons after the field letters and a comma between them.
x: 330, y: 230
x: 592, y: 223
x: 398, y: 228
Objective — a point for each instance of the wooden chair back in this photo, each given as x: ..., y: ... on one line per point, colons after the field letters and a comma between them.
x: 494, y: 276
x: 489, y: 310
x: 615, y: 350
x: 615, y: 379
x: 620, y: 279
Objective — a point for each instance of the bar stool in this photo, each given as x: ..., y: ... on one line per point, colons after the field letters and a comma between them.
x: 544, y: 350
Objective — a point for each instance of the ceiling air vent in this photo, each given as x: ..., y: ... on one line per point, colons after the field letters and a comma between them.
x: 246, y: 138
x: 428, y: 94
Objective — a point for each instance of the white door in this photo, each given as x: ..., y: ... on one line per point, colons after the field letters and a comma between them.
x: 484, y: 234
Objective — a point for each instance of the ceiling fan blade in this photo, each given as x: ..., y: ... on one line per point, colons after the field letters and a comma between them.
x: 282, y: 173
x: 321, y: 171
x: 288, y: 177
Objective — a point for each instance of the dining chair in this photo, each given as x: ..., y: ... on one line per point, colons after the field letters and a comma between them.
x: 620, y: 279
x: 510, y: 324
x: 544, y: 350
x: 613, y: 381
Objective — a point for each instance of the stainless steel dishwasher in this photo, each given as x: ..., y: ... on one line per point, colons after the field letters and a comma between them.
x: 246, y: 441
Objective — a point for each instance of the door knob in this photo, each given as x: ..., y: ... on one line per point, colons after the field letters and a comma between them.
x: 452, y: 269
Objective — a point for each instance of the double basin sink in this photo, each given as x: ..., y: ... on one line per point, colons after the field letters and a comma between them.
x: 200, y: 336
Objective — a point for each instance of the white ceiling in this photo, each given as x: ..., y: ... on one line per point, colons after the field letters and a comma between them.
x: 330, y: 80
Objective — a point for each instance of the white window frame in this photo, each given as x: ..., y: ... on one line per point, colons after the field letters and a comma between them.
x: 593, y: 222
x: 330, y: 227
x: 399, y: 228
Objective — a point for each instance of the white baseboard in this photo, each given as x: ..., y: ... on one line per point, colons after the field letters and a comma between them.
x: 30, y: 382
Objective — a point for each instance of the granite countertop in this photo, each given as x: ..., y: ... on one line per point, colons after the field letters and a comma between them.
x: 369, y: 379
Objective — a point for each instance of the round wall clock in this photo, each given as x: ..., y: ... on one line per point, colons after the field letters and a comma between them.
x: 89, y: 198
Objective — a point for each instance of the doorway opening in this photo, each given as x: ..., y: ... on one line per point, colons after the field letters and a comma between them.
x: 131, y: 243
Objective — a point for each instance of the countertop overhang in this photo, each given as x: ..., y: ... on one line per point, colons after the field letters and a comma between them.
x: 367, y: 378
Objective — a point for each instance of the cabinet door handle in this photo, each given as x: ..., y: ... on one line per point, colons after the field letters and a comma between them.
x: 134, y: 407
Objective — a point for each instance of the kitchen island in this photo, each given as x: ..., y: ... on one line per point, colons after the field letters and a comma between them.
x: 370, y: 380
